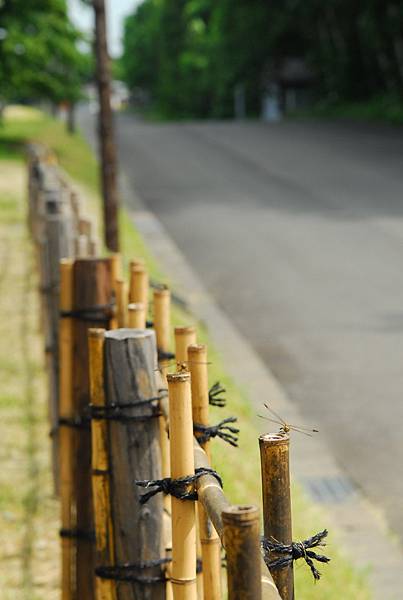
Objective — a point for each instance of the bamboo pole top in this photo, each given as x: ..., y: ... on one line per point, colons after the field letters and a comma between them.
x: 185, y: 330
x: 95, y: 332
x: 178, y: 377
x: 197, y: 348
x: 138, y: 267
x: 136, y: 262
x: 240, y: 514
x: 162, y: 291
x: 274, y: 439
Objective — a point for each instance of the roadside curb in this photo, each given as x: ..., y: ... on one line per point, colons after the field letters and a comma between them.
x: 363, y: 530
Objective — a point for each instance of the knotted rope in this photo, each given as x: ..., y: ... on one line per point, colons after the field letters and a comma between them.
x: 221, y: 430
x: 182, y: 488
x: 295, y: 551
x: 215, y: 395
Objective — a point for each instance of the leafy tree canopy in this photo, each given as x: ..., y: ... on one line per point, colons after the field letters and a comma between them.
x: 188, y: 55
x: 39, y: 54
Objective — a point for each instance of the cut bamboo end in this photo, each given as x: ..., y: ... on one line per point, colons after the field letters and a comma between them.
x: 184, y: 337
x: 182, y: 464
x: 136, y: 262
x: 121, y: 302
x: 242, y: 546
x: 137, y: 315
x: 274, y: 456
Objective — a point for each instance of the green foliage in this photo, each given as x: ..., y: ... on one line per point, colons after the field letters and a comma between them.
x: 39, y: 55
x: 188, y: 56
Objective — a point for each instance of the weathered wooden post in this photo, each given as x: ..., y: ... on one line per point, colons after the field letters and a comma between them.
x: 107, y: 145
x: 137, y: 315
x: 132, y: 410
x: 183, y: 576
x: 105, y: 588
x: 58, y: 245
x: 242, y: 545
x: 92, y: 298
x: 209, y: 539
x: 274, y: 454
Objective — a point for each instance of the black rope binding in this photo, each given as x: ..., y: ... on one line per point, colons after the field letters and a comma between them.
x: 115, y: 412
x: 222, y: 430
x: 74, y: 422
x: 215, y: 395
x: 100, y: 312
x: 130, y: 572
x: 149, y: 324
x: 295, y: 551
x: 77, y: 534
x: 182, y: 488
x: 162, y: 355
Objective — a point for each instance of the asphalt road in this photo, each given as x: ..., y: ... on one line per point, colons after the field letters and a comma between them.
x: 296, y: 229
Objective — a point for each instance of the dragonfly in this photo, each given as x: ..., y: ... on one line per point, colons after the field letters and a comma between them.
x: 284, y: 426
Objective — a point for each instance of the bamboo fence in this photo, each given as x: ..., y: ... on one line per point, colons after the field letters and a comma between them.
x: 126, y: 422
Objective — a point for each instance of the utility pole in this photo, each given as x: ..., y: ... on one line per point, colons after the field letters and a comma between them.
x: 106, y: 131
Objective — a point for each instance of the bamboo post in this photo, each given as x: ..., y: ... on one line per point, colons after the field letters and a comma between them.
x: 242, y: 545
x: 105, y: 589
x: 92, y: 296
x: 121, y: 302
x: 66, y: 434
x: 162, y: 322
x: 139, y: 285
x: 130, y: 361
x: 162, y: 325
x: 184, y: 337
x: 209, y: 539
x: 137, y: 315
x: 183, y: 577
x: 274, y: 455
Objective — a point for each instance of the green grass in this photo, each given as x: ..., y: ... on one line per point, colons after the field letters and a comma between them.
x: 239, y: 467
x: 387, y: 108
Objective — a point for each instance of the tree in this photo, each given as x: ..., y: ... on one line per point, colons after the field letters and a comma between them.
x: 39, y: 55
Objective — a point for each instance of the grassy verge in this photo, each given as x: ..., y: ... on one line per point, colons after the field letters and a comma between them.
x: 386, y: 108
x: 240, y: 468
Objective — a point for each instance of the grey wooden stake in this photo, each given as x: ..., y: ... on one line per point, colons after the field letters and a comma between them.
x: 129, y: 370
